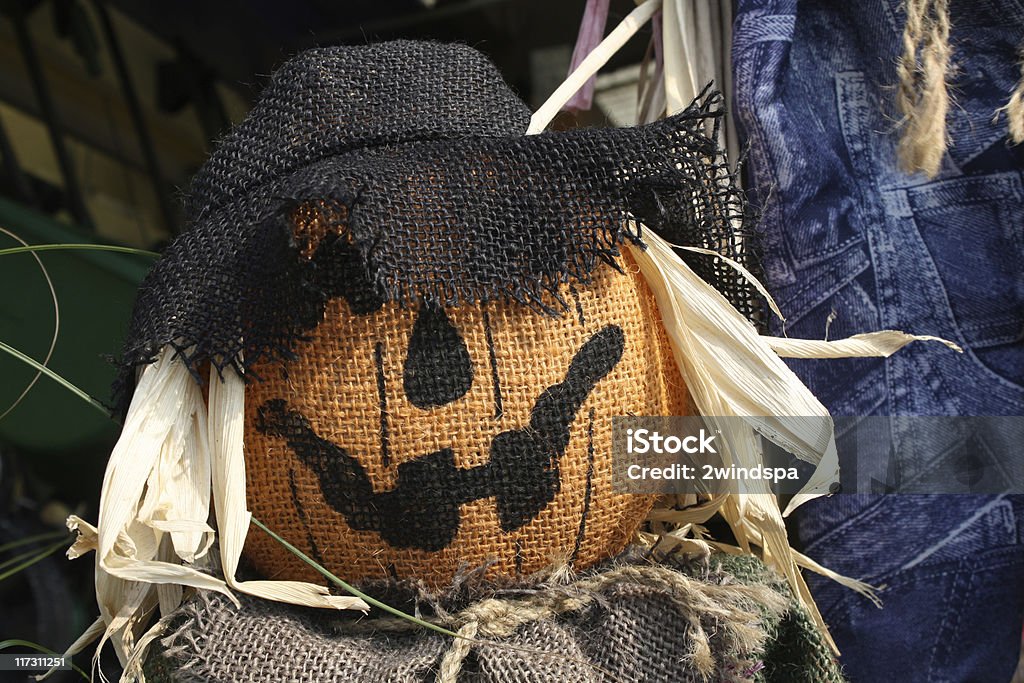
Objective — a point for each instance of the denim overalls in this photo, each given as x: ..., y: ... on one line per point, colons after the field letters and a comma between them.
x: 851, y: 237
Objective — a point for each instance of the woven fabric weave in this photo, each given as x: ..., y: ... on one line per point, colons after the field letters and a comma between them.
x: 417, y: 151
x: 410, y: 442
x: 630, y: 630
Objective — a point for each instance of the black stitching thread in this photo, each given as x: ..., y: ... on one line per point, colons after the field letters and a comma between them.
x: 493, y: 359
x: 382, y: 399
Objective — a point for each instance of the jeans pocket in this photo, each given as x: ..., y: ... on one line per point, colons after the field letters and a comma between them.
x: 956, y: 621
x: 973, y: 229
x: 949, y: 567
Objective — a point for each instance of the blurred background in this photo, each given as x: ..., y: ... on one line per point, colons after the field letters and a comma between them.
x: 106, y: 110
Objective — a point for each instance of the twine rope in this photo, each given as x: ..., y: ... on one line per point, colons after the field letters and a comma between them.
x: 1015, y: 106
x: 451, y: 663
x: 734, y: 609
x: 923, y: 96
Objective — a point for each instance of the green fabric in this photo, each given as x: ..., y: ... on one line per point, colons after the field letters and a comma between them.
x: 796, y: 651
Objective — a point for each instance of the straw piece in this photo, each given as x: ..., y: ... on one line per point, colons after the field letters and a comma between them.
x: 590, y: 66
x: 761, y: 289
x: 227, y: 421
x: 881, y: 344
x: 865, y: 589
x: 152, y: 537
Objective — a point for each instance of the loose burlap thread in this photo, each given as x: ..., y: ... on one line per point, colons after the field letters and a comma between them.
x: 349, y: 362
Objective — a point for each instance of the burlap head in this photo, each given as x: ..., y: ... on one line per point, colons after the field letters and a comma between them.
x: 408, y: 441
x: 433, y: 311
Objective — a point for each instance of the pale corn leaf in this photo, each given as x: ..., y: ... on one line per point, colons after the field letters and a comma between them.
x: 226, y: 422
x: 865, y: 589
x: 169, y: 595
x: 86, y: 540
x: 736, y: 265
x: 731, y: 372
x: 590, y: 66
x: 881, y: 344
x: 90, y: 634
x: 677, y: 29
x: 181, y: 526
x: 727, y: 363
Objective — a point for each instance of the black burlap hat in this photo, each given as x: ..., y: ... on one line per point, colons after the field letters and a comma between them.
x: 416, y: 155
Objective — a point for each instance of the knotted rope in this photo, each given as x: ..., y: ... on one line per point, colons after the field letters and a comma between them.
x: 923, y: 94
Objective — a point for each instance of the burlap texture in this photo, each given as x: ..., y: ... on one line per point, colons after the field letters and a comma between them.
x: 447, y: 202
x: 649, y: 624
x: 349, y: 382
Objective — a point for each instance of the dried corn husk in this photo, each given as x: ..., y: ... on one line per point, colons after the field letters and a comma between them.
x: 697, y: 41
x: 732, y: 371
x: 153, y: 535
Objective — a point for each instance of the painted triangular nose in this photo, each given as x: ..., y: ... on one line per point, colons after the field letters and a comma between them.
x: 437, y: 369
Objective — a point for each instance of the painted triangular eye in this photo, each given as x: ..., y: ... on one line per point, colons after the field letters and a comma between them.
x: 437, y: 369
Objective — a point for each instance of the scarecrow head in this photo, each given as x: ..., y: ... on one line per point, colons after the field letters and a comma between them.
x: 397, y: 329
x: 411, y: 440
x: 432, y: 311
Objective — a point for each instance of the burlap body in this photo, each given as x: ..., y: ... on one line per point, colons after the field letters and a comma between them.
x: 730, y: 619
x: 353, y: 369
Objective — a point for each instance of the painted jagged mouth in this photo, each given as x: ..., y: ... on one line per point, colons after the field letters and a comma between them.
x: 423, y: 509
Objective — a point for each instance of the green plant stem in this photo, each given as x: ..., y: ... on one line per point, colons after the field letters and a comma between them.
x: 19, y: 558
x: 351, y: 589
x: 7, y: 644
x: 32, y: 539
x: 79, y: 247
x: 56, y: 378
x: 32, y: 559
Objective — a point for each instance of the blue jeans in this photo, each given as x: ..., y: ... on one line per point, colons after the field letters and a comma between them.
x: 850, y: 236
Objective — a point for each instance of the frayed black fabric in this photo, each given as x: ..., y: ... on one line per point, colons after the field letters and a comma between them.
x: 414, y: 156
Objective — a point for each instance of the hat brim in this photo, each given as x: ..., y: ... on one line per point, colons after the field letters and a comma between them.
x: 445, y: 221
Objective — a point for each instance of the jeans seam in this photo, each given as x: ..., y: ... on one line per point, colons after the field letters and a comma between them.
x: 811, y: 284
x: 865, y: 515
x: 958, y: 614
x: 843, y: 603
x: 934, y: 574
